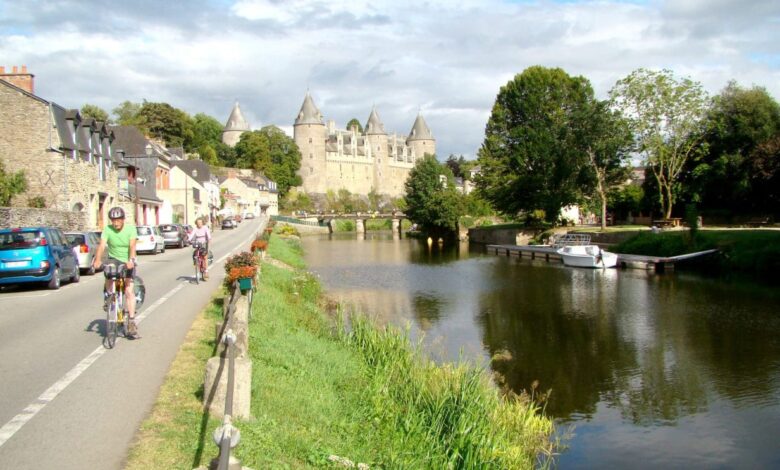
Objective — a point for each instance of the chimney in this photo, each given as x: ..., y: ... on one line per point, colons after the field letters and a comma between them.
x: 23, y: 79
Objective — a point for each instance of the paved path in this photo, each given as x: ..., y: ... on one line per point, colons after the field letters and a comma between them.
x: 65, y: 401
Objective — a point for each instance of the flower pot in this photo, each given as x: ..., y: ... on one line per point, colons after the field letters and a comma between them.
x: 245, y: 283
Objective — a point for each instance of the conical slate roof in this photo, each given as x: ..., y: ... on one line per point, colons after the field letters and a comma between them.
x: 420, y: 130
x: 374, y: 125
x: 236, y: 121
x: 309, y: 114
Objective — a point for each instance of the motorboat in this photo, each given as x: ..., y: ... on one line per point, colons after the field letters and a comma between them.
x: 576, y: 250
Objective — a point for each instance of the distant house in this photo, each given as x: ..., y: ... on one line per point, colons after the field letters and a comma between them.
x: 148, y: 165
x: 200, y: 171
x: 69, y: 161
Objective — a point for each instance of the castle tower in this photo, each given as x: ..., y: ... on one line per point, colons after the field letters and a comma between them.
x: 310, y: 135
x: 236, y: 125
x: 377, y: 138
x: 420, y: 139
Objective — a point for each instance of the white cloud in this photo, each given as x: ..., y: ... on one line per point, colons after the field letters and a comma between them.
x: 446, y: 59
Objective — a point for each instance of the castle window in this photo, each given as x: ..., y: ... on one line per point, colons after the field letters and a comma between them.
x: 311, y: 155
x: 311, y: 170
x: 309, y: 139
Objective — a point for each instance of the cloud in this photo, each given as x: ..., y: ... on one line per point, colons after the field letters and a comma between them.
x: 445, y: 59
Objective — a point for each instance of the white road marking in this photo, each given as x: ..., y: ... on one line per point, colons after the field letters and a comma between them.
x: 17, y: 422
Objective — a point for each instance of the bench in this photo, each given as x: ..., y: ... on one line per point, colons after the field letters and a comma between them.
x: 666, y: 223
x: 758, y: 222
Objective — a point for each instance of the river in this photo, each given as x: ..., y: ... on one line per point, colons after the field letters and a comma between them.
x: 646, y: 370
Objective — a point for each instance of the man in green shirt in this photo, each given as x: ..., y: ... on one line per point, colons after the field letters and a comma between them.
x: 120, y: 238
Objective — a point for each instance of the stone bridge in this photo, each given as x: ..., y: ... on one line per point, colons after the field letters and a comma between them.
x: 360, y: 220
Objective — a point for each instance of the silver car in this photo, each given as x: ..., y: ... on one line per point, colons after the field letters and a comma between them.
x: 85, y: 245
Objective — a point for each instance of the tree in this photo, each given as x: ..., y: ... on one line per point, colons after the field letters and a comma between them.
x: 739, y: 126
x: 11, y: 185
x: 608, y: 142
x: 355, y: 122
x: 273, y: 153
x: 431, y: 203
x: 127, y: 113
x: 531, y: 158
x: 94, y: 112
x: 171, y: 125
x: 455, y: 164
x: 206, y: 130
x: 666, y: 116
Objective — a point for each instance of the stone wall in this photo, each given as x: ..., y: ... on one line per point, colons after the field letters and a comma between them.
x: 502, y: 236
x: 28, y: 217
x: 29, y: 143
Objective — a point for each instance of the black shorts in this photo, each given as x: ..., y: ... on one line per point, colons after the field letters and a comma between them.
x: 130, y: 273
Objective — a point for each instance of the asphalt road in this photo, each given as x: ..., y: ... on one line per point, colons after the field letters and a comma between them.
x: 65, y: 401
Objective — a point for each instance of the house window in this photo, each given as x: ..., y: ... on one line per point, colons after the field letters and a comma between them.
x: 309, y: 139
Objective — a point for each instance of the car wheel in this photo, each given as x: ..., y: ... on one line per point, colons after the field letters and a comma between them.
x: 181, y: 243
x: 76, y: 275
x: 163, y: 249
x: 54, y: 282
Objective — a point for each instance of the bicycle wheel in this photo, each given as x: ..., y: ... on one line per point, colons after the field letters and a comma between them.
x: 111, y: 323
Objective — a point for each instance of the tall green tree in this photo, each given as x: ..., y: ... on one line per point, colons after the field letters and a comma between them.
x: 94, y: 112
x: 532, y: 157
x: 608, y: 143
x: 11, y: 184
x: 431, y: 199
x: 728, y: 176
x: 163, y: 121
x: 206, y: 130
x: 666, y: 115
x: 272, y: 152
x: 455, y: 164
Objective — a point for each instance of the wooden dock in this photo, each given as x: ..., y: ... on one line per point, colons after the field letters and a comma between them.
x: 548, y: 253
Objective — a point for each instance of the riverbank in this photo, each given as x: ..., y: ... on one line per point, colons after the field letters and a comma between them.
x: 319, y: 390
x: 753, y: 252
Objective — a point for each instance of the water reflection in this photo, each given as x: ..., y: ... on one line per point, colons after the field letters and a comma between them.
x: 623, y: 351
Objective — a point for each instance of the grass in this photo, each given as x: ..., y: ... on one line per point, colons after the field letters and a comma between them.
x: 177, y: 433
x: 324, y: 385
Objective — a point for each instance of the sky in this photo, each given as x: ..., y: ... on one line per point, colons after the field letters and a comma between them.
x: 444, y: 59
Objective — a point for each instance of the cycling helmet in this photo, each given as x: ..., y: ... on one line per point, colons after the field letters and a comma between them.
x: 116, y: 213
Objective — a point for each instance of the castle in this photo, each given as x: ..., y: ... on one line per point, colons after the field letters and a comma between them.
x: 334, y: 159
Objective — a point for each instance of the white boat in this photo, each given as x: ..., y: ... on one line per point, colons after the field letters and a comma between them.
x: 576, y: 250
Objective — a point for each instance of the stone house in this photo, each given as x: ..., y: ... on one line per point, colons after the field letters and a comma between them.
x: 69, y: 161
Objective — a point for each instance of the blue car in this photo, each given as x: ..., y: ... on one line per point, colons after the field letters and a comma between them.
x: 37, y: 254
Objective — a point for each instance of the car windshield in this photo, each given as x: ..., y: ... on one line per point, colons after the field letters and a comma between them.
x: 144, y: 231
x: 168, y: 228
x: 75, y: 237
x: 20, y: 239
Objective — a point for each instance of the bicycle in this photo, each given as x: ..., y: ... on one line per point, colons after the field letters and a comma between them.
x: 116, y: 313
x: 199, y: 259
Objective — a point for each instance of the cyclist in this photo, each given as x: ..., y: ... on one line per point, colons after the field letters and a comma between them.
x: 201, y: 234
x: 120, y: 238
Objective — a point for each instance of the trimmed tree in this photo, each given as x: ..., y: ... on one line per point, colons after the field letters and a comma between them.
x: 431, y: 199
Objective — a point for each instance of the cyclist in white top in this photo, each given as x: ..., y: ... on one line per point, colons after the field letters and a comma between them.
x: 201, y: 234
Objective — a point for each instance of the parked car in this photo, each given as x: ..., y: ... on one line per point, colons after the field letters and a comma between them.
x: 188, y: 229
x: 149, y: 239
x: 36, y: 254
x: 85, y: 245
x: 229, y: 223
x: 249, y: 215
x: 174, y: 235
